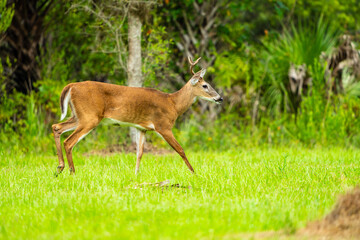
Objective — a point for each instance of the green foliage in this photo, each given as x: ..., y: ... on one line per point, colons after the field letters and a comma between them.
x: 323, y: 119
x: 255, y: 44
x: 332, y: 124
x: 344, y: 14
x: 157, y: 54
x: 6, y: 15
x: 79, y: 41
x: 55, y: 76
x: 23, y: 124
x: 301, y: 45
x: 351, y: 84
x: 231, y: 70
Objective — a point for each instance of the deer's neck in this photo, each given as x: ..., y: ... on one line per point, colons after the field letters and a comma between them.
x: 183, y: 99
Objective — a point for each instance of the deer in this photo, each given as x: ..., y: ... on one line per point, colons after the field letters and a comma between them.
x: 146, y: 109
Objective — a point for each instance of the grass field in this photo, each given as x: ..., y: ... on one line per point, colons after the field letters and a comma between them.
x: 233, y: 193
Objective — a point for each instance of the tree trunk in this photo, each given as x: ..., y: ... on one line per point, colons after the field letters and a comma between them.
x: 134, y: 72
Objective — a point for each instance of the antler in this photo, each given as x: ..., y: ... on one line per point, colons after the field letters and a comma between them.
x: 192, y: 64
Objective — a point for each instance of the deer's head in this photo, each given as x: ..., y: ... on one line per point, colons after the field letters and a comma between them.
x: 200, y: 88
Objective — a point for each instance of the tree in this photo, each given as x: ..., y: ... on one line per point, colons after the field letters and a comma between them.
x: 111, y: 20
x: 134, y: 70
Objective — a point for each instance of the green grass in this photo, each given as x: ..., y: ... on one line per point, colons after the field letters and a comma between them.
x: 233, y: 193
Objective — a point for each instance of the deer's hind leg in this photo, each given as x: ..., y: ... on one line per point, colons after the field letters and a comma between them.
x: 59, y: 129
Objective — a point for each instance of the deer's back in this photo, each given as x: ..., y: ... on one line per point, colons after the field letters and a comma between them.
x: 126, y: 104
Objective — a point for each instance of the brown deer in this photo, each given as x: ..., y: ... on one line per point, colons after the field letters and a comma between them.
x: 144, y: 108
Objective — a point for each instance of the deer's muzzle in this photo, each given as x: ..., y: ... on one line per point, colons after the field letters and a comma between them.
x: 219, y: 100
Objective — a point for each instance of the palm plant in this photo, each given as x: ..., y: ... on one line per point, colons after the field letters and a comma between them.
x: 351, y: 84
x: 298, y: 45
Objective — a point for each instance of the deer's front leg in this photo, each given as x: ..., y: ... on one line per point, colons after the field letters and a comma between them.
x: 140, y: 140
x: 169, y: 138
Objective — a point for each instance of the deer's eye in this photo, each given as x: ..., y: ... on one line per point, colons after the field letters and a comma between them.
x: 205, y: 86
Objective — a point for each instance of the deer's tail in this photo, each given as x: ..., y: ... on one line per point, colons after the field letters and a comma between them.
x: 64, y: 101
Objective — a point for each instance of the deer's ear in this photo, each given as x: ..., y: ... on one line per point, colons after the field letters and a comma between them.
x: 203, y: 71
x: 196, y: 77
x: 194, y: 80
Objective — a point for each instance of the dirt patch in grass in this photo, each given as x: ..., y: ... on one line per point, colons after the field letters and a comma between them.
x: 342, y: 223
x: 148, y: 148
x: 259, y: 235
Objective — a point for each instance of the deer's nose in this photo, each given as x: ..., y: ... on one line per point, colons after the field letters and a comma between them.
x: 219, y: 100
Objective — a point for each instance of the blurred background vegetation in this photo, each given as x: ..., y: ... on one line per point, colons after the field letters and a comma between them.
x: 288, y: 70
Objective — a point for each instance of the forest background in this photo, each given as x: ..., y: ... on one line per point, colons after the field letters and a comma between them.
x: 288, y: 70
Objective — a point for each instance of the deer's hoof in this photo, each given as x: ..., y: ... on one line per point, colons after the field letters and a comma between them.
x: 60, y: 169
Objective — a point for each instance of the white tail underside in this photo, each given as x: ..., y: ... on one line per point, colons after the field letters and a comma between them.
x: 65, y: 105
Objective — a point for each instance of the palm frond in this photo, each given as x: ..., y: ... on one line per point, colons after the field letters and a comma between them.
x: 302, y: 44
